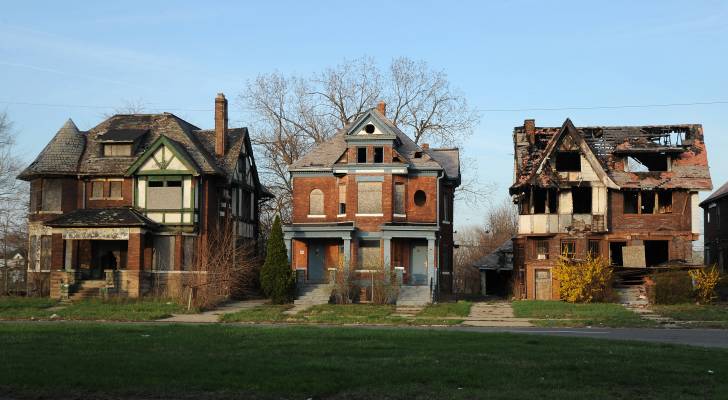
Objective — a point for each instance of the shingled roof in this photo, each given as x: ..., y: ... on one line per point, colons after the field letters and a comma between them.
x: 608, y: 144
x: 102, y: 217
x: 717, y: 195
x: 73, y: 152
x: 61, y: 154
x: 325, y: 155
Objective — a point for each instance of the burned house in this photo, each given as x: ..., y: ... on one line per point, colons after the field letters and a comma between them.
x: 715, y: 230
x: 627, y: 194
x: 371, y: 199
x: 126, y: 204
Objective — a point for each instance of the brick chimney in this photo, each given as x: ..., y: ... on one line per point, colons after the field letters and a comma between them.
x: 382, y: 107
x: 221, y: 123
x: 529, y: 126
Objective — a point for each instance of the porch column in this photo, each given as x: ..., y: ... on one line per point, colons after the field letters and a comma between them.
x: 431, y: 275
x: 347, y: 255
x: 387, y: 258
x: 289, y: 248
x: 69, y: 257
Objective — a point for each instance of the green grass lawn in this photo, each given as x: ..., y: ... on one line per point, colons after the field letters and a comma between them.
x: 25, y: 307
x: 143, y: 361
x: 562, y: 314
x: 115, y: 309
x: 705, y: 316
x: 371, y: 314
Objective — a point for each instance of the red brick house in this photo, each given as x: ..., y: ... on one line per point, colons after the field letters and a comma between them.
x: 128, y: 201
x: 370, y: 198
x: 626, y: 193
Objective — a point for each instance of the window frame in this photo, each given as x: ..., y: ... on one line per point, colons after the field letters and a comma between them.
x: 536, y: 251
x: 568, y: 243
x: 318, y: 193
x: 359, y: 192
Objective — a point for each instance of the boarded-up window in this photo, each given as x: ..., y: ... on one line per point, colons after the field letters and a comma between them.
x: 342, y: 199
x: 97, y: 189
x: 370, y: 198
x: 399, y: 207
x: 163, y: 256
x: 316, y: 202
x: 33, y: 253
x: 115, y: 189
x: 189, y: 244
x: 369, y: 255
x: 45, y: 252
x: 164, y: 198
x: 117, y: 150
x: 51, y: 195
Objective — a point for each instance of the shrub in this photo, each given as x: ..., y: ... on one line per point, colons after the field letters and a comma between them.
x: 276, y: 277
x: 671, y: 287
x: 705, y: 281
x: 584, y: 281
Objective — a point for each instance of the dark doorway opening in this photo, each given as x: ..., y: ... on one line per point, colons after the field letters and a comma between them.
x: 106, y: 254
x: 497, y: 282
x: 656, y: 252
x: 582, y: 199
x: 615, y: 253
x: 568, y: 161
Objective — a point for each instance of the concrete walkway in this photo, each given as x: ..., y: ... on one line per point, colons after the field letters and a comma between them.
x: 494, y: 314
x: 213, y: 316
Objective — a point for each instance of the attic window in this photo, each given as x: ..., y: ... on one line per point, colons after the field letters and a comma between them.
x: 650, y: 162
x: 568, y: 161
x: 369, y: 128
x: 117, y: 150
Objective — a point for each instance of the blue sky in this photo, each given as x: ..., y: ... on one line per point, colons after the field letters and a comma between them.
x: 502, y: 55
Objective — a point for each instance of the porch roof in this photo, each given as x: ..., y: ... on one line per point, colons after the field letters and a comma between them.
x: 102, y: 217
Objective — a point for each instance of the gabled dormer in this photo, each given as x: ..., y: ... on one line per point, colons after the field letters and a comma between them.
x: 371, y: 139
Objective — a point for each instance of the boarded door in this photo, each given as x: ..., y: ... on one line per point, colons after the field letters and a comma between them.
x: 543, y: 284
x: 418, y: 274
x: 316, y: 262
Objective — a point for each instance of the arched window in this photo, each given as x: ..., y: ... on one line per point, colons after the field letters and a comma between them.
x: 316, y: 202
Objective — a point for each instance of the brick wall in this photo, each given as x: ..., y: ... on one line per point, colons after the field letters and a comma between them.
x: 127, y: 192
x: 678, y: 220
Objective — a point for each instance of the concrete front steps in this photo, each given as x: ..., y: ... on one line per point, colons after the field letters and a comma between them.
x: 635, y: 295
x: 413, y: 296
x: 309, y: 295
x: 87, y: 289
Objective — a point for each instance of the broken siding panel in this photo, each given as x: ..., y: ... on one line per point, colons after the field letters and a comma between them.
x: 695, y: 213
x: 587, y: 172
x: 565, y: 202
x: 599, y: 200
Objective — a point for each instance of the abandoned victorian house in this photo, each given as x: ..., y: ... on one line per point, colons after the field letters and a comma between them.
x: 628, y: 194
x: 125, y: 204
x: 715, y: 230
x: 371, y: 199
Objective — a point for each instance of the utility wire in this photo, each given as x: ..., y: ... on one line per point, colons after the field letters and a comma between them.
x: 566, y: 108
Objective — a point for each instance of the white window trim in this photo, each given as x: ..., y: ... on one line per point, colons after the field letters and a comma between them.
x: 316, y: 216
x: 369, y: 215
x: 446, y: 222
x: 400, y: 215
x: 340, y: 215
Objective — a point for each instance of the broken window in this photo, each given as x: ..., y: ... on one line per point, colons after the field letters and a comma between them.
x: 361, y: 155
x: 545, y: 201
x: 581, y: 198
x: 568, y: 161
x: 316, y: 202
x: 378, y: 155
x: 97, y: 189
x: 648, y: 162
x: 115, y: 189
x: 117, y: 150
x: 342, y: 199
x: 615, y: 253
x: 399, y: 206
x: 664, y: 199
x: 541, y: 249
x: 163, y: 253
x: 369, y: 198
x: 568, y: 248
x: 647, y: 205
x: 594, y: 248
x: 631, y: 202
x: 51, y: 198
x: 656, y: 252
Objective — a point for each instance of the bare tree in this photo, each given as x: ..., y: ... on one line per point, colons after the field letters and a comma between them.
x: 13, y: 195
x: 135, y: 106
x: 291, y: 114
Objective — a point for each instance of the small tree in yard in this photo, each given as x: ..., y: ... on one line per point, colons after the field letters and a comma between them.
x: 705, y: 282
x: 584, y: 281
x: 276, y: 277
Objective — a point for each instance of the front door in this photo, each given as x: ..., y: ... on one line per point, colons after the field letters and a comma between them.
x: 316, y: 254
x: 418, y: 264
x: 543, y: 284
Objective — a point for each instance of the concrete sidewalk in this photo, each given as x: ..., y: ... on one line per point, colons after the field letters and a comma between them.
x: 494, y: 314
x: 213, y: 316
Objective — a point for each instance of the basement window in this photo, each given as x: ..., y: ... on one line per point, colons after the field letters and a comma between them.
x: 378, y: 155
x: 361, y: 155
x: 568, y: 161
x: 582, y: 199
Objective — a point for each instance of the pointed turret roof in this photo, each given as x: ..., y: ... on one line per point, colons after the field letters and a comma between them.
x: 61, y: 154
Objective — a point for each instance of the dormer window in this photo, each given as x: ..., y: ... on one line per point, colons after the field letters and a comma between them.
x: 117, y: 150
x: 378, y: 155
x: 361, y: 155
x: 568, y: 161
